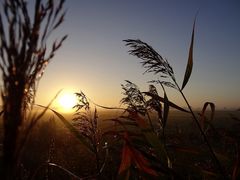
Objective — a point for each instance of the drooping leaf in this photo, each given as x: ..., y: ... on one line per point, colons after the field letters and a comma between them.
x: 130, y: 156
x: 126, y: 159
x: 142, y: 163
x: 212, y: 106
x: 190, y: 60
x: 171, y: 104
x: 202, y: 114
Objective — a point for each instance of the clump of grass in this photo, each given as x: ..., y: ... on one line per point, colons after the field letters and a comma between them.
x: 24, y: 54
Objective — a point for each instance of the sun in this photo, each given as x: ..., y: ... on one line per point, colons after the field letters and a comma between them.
x: 66, y: 101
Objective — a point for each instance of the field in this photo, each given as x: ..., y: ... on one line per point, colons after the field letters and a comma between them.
x: 51, y: 141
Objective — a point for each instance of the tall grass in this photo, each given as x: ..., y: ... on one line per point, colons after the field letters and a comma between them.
x: 25, y: 53
x: 156, y: 64
x: 87, y: 124
x: 136, y: 143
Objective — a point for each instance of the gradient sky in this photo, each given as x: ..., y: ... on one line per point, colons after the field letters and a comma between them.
x: 94, y: 59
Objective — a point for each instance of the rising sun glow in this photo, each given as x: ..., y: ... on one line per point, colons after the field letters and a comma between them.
x: 66, y: 101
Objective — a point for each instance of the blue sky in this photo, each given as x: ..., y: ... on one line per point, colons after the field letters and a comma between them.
x: 94, y: 59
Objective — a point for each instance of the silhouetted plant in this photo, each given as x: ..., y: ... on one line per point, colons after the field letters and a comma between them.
x: 148, y: 138
x: 24, y: 53
x: 87, y: 124
x: 156, y: 64
x: 84, y: 126
x: 134, y: 98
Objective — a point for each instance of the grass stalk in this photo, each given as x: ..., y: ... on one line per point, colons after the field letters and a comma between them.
x: 155, y: 63
x: 214, y: 157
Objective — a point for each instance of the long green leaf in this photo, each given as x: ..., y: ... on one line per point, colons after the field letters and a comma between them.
x: 190, y: 60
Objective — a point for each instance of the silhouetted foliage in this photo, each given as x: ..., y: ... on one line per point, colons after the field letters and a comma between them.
x: 87, y: 124
x: 24, y: 54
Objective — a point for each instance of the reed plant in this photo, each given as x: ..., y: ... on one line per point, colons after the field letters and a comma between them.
x: 85, y: 127
x: 24, y: 55
x: 159, y: 66
x: 87, y: 123
x: 143, y: 146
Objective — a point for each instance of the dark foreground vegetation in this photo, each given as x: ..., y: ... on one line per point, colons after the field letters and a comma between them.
x: 142, y: 140
x: 52, y: 142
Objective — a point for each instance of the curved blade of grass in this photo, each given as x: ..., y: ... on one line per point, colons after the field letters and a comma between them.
x: 71, y: 128
x: 74, y: 131
x: 190, y: 60
x: 45, y: 108
x: 33, y: 122
x: 69, y: 173
x: 212, y: 106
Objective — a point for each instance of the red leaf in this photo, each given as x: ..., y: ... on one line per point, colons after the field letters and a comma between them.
x: 126, y: 157
x: 142, y: 163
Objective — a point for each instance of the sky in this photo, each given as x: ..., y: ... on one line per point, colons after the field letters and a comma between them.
x: 95, y: 60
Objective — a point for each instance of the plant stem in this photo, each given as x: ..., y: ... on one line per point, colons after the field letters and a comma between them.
x: 214, y: 157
